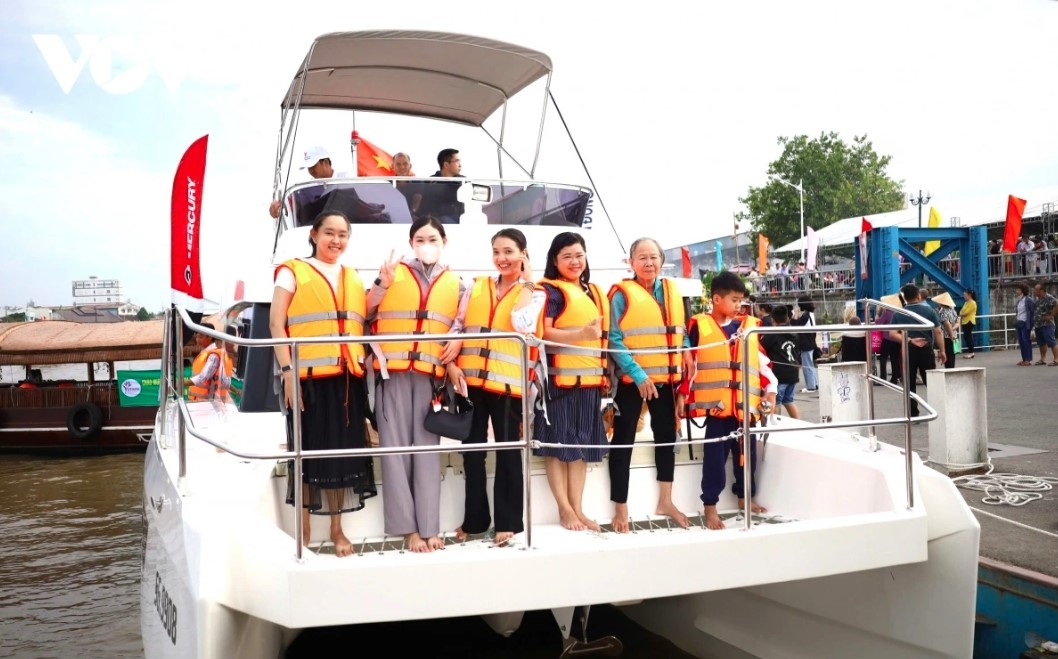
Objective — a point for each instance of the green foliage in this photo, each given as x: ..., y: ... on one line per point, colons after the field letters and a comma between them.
x: 839, y: 179
x: 143, y: 314
x: 19, y: 317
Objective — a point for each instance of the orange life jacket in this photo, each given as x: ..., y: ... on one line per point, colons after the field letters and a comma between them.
x: 316, y: 310
x: 717, y: 386
x: 647, y: 324
x: 216, y: 387
x: 407, y: 309
x: 583, y: 364
x: 494, y: 365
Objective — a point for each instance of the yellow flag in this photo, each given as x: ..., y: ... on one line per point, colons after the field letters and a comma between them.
x: 934, y: 222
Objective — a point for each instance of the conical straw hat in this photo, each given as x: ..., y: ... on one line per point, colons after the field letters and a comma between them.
x: 893, y: 300
x: 944, y: 299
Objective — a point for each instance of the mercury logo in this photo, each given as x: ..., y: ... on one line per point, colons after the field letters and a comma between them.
x: 117, y: 64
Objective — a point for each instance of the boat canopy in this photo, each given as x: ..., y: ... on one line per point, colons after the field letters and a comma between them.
x: 439, y: 75
x: 65, y: 342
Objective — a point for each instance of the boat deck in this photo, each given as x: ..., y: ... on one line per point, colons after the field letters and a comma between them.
x: 828, y: 499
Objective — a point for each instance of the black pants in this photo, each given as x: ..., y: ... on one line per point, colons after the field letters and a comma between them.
x: 629, y: 404
x: 507, y: 490
x: 919, y: 360
x: 968, y: 337
x: 949, y: 353
x: 890, y: 353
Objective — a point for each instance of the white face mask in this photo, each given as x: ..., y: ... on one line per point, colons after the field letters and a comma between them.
x: 428, y: 253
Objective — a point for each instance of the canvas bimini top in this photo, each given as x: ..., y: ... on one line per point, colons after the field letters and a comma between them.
x: 424, y: 74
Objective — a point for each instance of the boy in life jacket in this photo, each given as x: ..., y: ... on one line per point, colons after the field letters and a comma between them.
x: 715, y: 391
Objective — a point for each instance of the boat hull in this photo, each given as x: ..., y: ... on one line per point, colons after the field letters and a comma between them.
x: 223, y: 558
x: 46, y: 430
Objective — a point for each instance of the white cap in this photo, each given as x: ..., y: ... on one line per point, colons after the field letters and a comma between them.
x: 313, y: 156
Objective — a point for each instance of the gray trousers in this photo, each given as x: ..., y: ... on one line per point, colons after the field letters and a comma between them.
x: 411, y: 484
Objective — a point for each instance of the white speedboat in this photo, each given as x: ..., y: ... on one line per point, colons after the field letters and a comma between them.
x: 864, y: 552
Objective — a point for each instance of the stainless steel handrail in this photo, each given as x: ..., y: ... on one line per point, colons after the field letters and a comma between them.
x: 749, y: 431
x: 185, y: 423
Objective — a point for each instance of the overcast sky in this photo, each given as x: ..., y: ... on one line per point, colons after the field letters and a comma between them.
x: 99, y: 100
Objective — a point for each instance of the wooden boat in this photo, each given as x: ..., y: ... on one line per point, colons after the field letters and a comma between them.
x: 85, y: 414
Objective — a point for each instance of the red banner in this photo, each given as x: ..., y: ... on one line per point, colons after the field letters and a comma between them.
x: 1012, y: 229
x: 685, y: 258
x: 762, y: 253
x: 186, y: 219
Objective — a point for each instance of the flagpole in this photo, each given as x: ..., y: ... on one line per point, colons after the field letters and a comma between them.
x: 801, y: 198
x: 354, y: 141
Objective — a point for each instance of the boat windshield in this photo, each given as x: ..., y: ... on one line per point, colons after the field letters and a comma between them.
x: 390, y: 201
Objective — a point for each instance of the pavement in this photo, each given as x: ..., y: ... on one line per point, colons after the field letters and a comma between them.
x: 1023, y: 440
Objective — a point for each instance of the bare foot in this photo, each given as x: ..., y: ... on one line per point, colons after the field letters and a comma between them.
x: 570, y: 520
x: 461, y: 535
x: 502, y: 538
x: 670, y: 510
x: 588, y: 523
x: 342, y: 546
x: 435, y: 543
x: 620, y: 518
x: 752, y: 506
x: 712, y: 520
x: 416, y: 544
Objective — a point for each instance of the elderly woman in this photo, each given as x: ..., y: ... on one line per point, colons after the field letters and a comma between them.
x: 647, y: 314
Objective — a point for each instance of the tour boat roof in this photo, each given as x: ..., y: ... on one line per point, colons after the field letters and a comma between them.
x: 66, y: 342
x: 439, y: 75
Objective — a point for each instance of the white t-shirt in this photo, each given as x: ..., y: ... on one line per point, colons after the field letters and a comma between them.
x: 332, y: 271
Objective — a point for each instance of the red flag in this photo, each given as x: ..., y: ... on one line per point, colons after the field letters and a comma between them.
x: 685, y: 253
x: 371, y: 160
x: 186, y: 221
x: 1012, y: 230
x: 865, y: 226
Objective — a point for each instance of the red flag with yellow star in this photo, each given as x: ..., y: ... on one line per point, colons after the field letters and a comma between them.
x: 371, y: 160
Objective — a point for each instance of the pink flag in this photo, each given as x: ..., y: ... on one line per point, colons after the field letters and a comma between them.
x: 813, y: 246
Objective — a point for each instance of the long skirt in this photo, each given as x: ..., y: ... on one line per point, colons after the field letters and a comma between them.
x: 333, y: 419
x: 574, y: 418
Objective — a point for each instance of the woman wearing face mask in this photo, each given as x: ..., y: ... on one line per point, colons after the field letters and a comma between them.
x: 416, y: 295
x: 490, y: 373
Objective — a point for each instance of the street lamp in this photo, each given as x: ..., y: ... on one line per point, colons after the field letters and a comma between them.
x: 920, y: 201
x: 801, y: 195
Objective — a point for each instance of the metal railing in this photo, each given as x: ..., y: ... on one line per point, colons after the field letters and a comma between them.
x: 173, y: 382
x: 906, y: 419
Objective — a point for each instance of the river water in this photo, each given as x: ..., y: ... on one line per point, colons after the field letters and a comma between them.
x: 70, y: 571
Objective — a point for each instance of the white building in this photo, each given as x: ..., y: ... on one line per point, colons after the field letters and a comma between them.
x: 97, y: 291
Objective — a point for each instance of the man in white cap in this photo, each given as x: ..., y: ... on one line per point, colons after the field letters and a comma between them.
x: 318, y: 163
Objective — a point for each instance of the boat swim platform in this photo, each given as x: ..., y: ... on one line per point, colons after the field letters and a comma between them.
x: 1022, y: 440
x: 842, y: 507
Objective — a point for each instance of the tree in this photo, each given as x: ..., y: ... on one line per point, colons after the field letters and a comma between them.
x: 143, y: 314
x: 839, y: 180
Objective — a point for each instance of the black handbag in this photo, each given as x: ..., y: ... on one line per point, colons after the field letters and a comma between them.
x: 450, y: 415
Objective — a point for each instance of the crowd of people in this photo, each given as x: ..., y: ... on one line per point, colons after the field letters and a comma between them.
x: 635, y: 343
